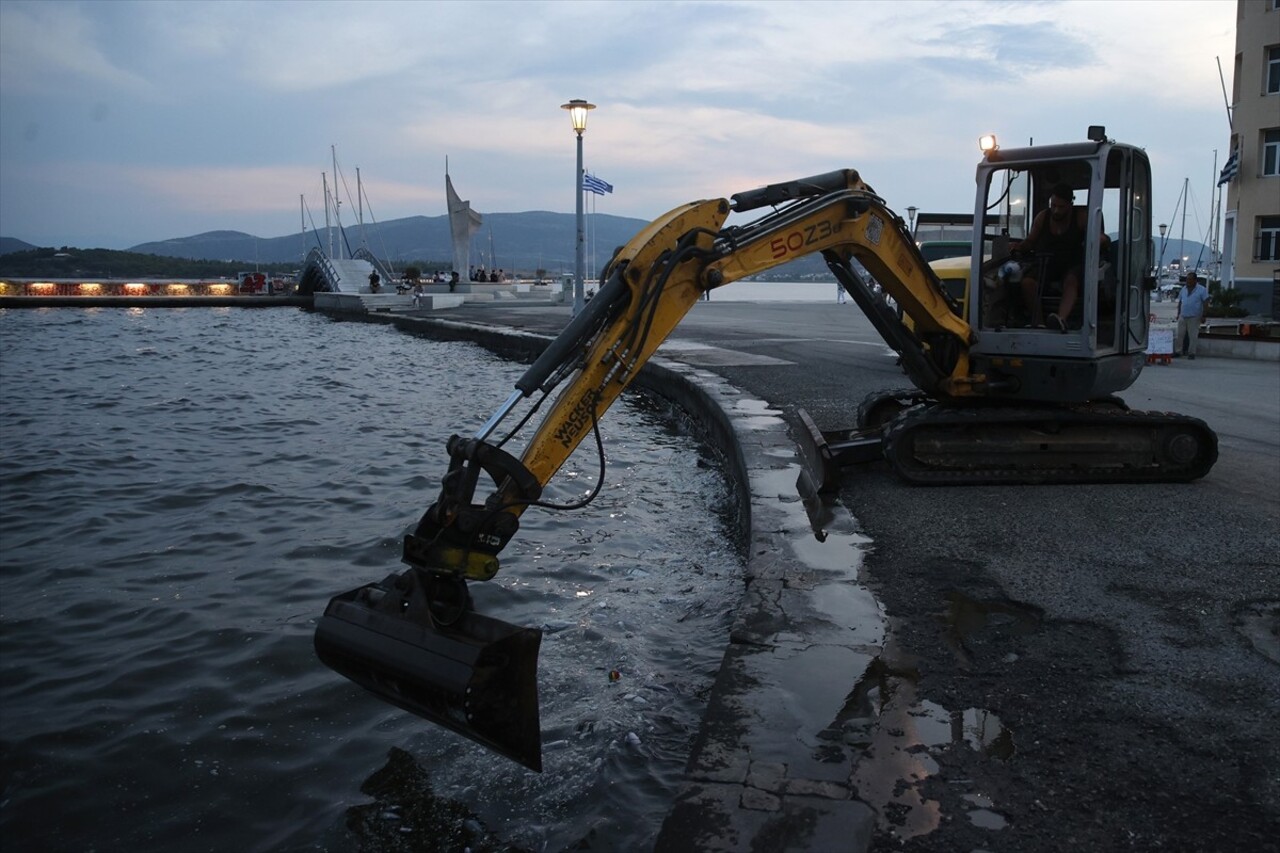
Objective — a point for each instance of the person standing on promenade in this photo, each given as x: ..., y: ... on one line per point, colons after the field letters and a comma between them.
x: 1192, y: 301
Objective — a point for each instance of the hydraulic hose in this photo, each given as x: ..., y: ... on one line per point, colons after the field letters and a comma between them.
x: 612, y: 298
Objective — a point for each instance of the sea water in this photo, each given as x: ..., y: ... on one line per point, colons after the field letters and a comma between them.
x: 182, y: 490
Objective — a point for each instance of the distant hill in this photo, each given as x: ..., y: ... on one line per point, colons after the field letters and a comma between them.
x: 510, y: 241
x: 108, y: 263
x: 516, y: 242
x: 1196, y: 253
x: 210, y: 246
x: 12, y: 244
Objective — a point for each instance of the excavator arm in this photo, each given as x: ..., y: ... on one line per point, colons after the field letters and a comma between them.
x: 414, y: 639
x: 650, y: 284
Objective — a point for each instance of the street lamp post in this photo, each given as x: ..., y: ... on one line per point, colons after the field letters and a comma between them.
x: 578, y: 115
x: 911, y: 214
x: 1160, y: 269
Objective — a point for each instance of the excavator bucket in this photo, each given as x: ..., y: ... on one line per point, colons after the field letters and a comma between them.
x: 476, y: 675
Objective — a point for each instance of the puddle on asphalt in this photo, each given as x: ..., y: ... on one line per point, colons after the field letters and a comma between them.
x: 973, y: 623
x: 983, y: 815
x: 1259, y: 622
x: 901, y: 743
x: 900, y: 747
x: 898, y: 733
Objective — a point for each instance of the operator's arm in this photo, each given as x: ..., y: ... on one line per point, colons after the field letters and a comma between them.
x: 1028, y: 243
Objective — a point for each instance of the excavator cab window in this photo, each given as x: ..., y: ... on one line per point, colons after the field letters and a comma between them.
x: 1107, y: 307
x: 1024, y: 286
x: 1103, y: 312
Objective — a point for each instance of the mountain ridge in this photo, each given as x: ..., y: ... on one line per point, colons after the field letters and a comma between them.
x: 525, y: 241
x: 519, y: 243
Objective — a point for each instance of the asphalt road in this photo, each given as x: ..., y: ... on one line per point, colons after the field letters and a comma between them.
x: 1107, y: 657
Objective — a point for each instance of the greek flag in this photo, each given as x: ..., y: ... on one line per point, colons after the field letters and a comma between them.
x: 1230, y: 170
x: 591, y: 183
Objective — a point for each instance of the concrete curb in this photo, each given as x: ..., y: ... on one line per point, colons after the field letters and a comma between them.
x: 1254, y: 349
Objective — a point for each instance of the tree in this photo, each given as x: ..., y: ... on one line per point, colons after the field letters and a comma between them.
x: 1226, y: 303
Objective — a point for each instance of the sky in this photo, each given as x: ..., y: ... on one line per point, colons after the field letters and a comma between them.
x: 128, y: 122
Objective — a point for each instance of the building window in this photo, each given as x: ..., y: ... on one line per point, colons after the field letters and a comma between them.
x: 1268, y: 242
x: 1273, y: 70
x: 1271, y: 152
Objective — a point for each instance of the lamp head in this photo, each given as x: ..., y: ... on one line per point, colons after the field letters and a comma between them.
x: 578, y: 113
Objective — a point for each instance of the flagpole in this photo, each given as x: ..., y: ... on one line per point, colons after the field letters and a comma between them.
x: 580, y: 248
x: 594, y: 185
x: 1216, y: 208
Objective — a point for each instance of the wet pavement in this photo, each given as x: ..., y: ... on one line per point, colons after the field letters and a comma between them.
x: 1026, y: 668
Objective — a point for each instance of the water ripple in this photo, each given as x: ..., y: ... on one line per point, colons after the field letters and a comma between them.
x: 179, y: 502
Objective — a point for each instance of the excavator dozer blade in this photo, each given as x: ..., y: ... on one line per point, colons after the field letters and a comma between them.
x: 476, y: 676
x: 826, y: 454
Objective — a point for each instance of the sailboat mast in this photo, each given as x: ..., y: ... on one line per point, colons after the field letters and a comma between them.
x: 1182, y: 240
x: 364, y: 242
x: 1215, y: 261
x: 302, y: 215
x: 337, y: 202
x: 328, y: 227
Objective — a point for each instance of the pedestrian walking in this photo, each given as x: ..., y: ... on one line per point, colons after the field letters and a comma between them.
x: 840, y: 294
x: 1192, y: 301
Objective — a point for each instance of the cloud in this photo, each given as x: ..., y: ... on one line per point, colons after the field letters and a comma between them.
x: 240, y: 101
x: 48, y: 48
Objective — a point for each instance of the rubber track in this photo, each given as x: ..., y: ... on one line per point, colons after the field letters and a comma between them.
x: 991, y: 456
x: 900, y: 398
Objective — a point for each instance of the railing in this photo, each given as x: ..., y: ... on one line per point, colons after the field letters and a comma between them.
x: 384, y: 270
x: 320, y: 261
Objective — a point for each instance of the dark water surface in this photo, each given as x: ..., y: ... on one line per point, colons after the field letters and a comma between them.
x: 182, y: 490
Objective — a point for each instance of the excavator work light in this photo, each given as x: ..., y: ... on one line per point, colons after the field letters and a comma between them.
x: 987, y: 143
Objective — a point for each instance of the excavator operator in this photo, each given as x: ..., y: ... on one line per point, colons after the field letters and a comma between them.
x: 1056, y: 242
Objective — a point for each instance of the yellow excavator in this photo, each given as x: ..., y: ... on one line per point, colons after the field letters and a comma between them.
x: 997, y: 398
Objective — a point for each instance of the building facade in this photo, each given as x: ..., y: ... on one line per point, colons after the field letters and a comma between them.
x: 1251, y: 231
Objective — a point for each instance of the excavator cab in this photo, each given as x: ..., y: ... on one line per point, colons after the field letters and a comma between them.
x: 1102, y: 347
